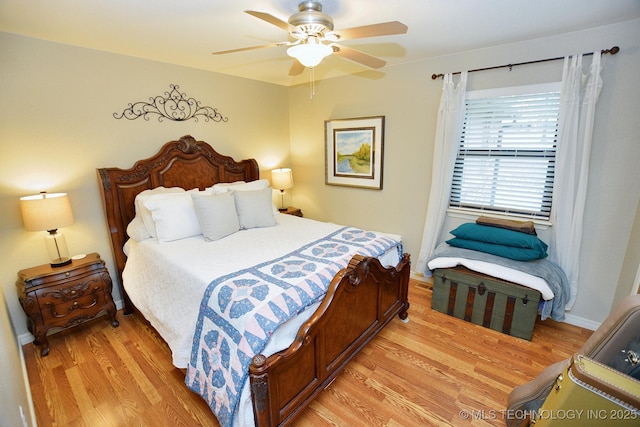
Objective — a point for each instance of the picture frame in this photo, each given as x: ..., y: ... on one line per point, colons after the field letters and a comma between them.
x: 354, y: 152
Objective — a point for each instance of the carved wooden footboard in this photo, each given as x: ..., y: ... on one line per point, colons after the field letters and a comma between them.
x: 361, y: 300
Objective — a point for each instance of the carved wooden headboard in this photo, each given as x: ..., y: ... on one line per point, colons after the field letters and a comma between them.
x: 185, y: 163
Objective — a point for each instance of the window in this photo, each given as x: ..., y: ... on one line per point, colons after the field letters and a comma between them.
x: 506, y: 159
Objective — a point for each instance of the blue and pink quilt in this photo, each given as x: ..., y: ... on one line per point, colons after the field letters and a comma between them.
x: 240, y: 311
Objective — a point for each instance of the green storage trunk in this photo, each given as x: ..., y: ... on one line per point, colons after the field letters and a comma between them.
x: 485, y: 300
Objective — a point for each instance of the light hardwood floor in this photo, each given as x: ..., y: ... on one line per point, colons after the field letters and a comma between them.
x: 434, y: 370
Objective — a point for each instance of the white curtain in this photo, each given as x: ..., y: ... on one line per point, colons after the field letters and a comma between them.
x: 447, y: 141
x: 575, y: 130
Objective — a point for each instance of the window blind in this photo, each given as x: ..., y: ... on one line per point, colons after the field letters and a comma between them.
x: 506, y: 157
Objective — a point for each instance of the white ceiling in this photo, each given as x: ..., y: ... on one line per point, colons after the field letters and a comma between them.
x: 185, y: 32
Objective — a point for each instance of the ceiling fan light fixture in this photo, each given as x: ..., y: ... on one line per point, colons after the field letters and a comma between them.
x: 310, y: 54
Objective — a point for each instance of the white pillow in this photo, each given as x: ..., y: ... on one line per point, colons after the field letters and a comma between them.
x: 137, y: 230
x: 255, y: 208
x: 143, y: 212
x: 217, y: 214
x: 174, y: 215
x: 240, y: 186
x: 222, y: 187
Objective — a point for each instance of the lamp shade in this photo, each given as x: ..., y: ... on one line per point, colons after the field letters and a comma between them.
x: 311, y: 53
x: 46, y: 211
x: 281, y: 179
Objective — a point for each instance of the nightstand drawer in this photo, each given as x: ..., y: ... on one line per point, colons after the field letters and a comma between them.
x: 86, y: 306
x: 63, y: 277
x: 57, y: 293
x: 83, y: 296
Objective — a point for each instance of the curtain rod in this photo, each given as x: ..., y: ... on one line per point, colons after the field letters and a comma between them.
x: 612, y: 51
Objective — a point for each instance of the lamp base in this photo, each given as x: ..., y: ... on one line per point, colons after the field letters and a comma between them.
x: 60, y: 262
x: 57, y: 248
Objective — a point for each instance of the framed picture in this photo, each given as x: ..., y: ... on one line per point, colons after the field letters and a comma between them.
x: 354, y: 152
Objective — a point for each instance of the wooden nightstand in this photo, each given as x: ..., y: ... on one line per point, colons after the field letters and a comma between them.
x: 292, y: 211
x: 66, y: 296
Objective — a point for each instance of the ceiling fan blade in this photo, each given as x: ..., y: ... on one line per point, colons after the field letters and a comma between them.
x: 373, y: 30
x: 251, y: 48
x: 358, y: 56
x: 296, y: 68
x: 270, y: 19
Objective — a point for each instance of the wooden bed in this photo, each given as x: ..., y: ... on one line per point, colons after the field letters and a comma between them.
x: 283, y: 384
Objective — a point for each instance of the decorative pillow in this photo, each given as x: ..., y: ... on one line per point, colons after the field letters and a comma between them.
x: 511, y: 252
x: 255, y: 208
x: 222, y: 187
x: 217, y: 214
x: 241, y: 186
x: 499, y: 236
x: 143, y: 212
x: 137, y: 230
x: 510, y: 224
x: 174, y: 215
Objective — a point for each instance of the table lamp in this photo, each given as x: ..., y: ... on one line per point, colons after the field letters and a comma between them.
x: 49, y: 212
x: 282, y: 179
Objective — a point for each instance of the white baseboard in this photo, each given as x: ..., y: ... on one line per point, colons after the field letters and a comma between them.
x: 25, y: 376
x: 25, y: 339
x: 419, y: 277
x: 581, y: 322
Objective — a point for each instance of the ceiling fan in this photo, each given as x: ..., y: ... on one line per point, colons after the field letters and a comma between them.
x: 313, y: 38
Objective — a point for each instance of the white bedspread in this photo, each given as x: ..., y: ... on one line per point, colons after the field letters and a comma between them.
x: 166, y: 281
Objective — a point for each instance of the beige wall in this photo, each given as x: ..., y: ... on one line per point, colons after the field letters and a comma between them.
x: 409, y: 100
x: 57, y: 127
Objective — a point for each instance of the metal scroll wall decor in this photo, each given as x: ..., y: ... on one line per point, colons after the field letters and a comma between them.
x: 174, y: 105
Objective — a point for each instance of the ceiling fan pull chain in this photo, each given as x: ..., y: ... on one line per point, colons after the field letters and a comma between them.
x: 312, y: 83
